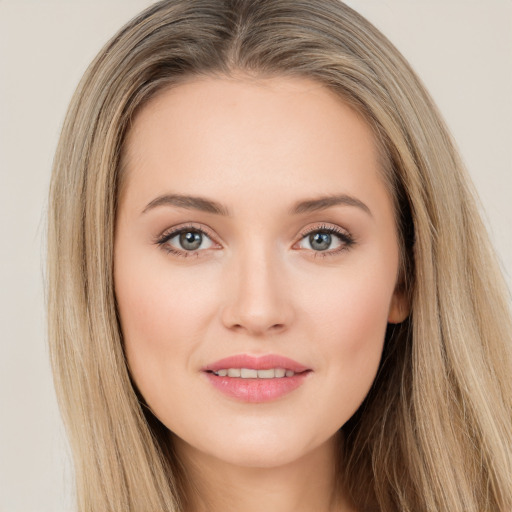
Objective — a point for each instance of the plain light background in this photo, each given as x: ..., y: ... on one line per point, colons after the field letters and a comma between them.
x: 462, y: 49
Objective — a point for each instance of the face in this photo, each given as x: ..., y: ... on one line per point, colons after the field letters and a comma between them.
x: 256, y: 261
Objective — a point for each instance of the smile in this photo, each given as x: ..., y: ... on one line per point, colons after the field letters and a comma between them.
x: 251, y: 373
x: 256, y: 379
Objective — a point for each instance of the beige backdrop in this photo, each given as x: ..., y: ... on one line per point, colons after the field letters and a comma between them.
x: 461, y: 48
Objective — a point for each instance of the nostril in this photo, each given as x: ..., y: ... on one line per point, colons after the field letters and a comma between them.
x: 257, y: 314
x: 257, y: 328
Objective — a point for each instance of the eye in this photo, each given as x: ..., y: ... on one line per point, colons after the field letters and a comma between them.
x: 330, y: 240
x: 191, y: 240
x: 185, y: 241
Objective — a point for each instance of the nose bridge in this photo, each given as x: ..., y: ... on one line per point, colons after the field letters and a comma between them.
x: 258, y: 301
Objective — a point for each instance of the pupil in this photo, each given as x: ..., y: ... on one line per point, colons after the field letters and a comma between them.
x: 320, y: 241
x: 191, y: 240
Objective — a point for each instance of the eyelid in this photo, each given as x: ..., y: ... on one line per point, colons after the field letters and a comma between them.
x: 173, y: 231
x: 323, y: 226
x: 346, y: 238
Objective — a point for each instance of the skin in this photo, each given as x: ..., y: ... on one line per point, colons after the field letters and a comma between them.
x: 257, y: 285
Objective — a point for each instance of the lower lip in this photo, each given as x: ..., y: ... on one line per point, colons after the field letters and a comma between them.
x: 257, y: 390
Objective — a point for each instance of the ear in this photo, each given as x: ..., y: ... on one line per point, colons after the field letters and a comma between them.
x: 399, y: 308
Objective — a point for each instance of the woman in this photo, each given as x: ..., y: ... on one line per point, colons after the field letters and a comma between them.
x: 270, y: 287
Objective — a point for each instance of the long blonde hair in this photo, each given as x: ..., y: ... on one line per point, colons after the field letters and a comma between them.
x: 435, y: 431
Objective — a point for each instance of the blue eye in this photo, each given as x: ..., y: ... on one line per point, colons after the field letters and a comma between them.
x: 189, y: 240
x: 185, y: 240
x: 326, y: 239
x: 320, y: 241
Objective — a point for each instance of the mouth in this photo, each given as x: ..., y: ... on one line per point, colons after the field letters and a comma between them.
x: 256, y: 379
x: 252, y: 373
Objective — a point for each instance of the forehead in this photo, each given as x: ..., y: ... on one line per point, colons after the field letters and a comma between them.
x: 293, y: 132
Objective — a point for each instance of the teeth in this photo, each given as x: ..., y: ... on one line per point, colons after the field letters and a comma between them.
x: 250, y: 373
x: 245, y: 373
x: 266, y: 374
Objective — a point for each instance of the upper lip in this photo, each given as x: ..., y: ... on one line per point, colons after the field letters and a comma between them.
x: 265, y: 362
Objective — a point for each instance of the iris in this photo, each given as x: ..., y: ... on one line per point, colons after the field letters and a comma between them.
x: 320, y: 241
x: 191, y: 240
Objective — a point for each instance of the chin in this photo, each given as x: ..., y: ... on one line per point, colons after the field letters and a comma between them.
x: 260, y: 457
x: 258, y: 448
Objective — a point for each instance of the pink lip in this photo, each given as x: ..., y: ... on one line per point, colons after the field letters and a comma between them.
x: 256, y: 390
x: 256, y: 362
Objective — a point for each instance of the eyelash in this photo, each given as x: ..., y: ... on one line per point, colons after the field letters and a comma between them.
x: 347, y: 241
x: 169, y: 235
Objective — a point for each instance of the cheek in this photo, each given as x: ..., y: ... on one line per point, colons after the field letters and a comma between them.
x: 352, y: 306
x: 162, y: 321
x: 350, y: 323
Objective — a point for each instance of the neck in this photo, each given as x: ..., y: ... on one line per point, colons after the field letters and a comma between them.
x: 300, y: 486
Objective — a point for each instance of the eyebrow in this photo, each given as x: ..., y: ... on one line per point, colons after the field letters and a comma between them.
x: 210, y: 206
x: 188, y: 202
x: 322, y: 203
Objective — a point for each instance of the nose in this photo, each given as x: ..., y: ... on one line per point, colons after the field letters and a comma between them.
x: 258, y: 299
